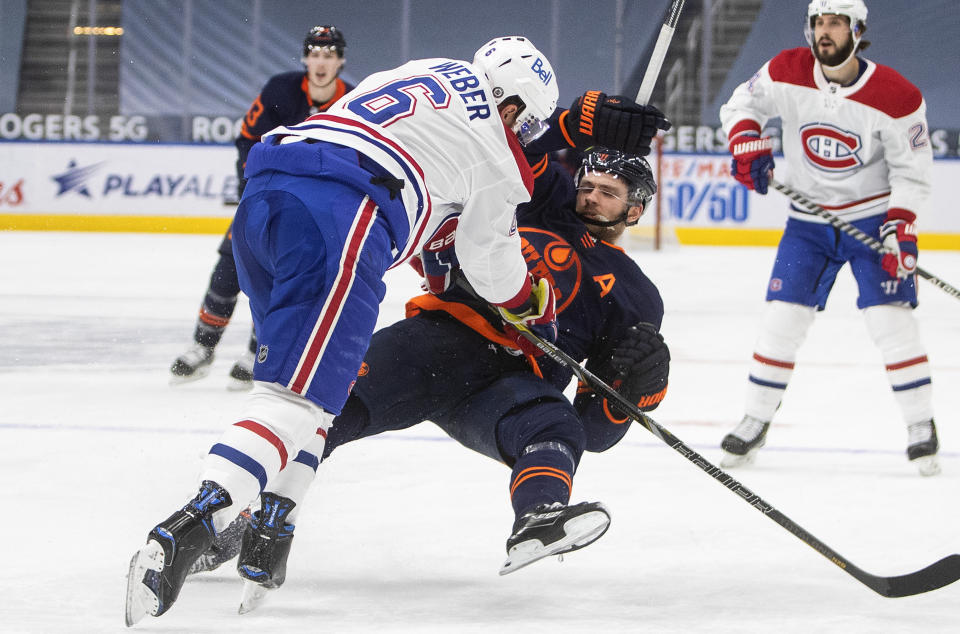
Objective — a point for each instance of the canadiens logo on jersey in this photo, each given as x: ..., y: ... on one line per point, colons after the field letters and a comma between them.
x: 829, y: 148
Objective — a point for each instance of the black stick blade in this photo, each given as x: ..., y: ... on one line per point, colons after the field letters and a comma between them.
x: 936, y: 575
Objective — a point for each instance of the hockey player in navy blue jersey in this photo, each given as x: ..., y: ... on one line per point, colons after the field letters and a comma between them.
x: 286, y: 99
x: 453, y: 361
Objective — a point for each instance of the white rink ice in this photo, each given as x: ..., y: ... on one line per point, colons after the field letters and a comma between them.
x: 405, y: 532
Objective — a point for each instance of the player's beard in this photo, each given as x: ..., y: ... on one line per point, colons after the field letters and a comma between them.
x: 836, y: 58
x: 606, y: 234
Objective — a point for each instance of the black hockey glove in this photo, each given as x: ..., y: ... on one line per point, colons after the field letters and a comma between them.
x: 641, y: 364
x: 615, y: 122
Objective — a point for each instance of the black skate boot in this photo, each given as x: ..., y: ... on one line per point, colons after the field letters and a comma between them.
x: 740, y: 446
x: 241, y: 374
x: 922, y: 447
x: 157, y: 570
x: 225, y: 546
x: 554, y: 529
x: 264, y: 550
x: 192, y: 365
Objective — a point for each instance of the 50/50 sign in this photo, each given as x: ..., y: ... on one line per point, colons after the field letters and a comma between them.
x: 707, y: 201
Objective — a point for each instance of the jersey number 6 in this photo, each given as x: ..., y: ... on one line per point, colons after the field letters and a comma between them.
x: 398, y: 99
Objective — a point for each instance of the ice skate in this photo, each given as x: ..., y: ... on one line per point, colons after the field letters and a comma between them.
x: 922, y: 446
x: 225, y: 546
x: 264, y: 550
x: 740, y: 446
x: 157, y: 570
x: 554, y: 529
x: 241, y: 374
x: 192, y: 365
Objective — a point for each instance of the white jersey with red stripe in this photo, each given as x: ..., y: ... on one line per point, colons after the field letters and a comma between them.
x: 856, y: 150
x: 433, y: 123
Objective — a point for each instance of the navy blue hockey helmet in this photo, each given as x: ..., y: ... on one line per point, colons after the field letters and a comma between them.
x: 324, y: 36
x: 631, y: 168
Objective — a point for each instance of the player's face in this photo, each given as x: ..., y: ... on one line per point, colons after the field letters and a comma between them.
x: 603, y: 197
x: 323, y: 64
x: 833, y: 41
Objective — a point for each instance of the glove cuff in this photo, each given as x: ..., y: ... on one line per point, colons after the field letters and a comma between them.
x: 520, y: 298
x: 745, y: 126
x: 899, y: 213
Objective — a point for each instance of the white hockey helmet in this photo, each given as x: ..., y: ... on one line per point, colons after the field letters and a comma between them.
x: 515, y: 68
x: 855, y: 10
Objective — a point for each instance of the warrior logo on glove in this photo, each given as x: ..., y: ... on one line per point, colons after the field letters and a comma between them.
x: 616, y: 122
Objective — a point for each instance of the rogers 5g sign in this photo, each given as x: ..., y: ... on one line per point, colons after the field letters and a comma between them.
x: 58, y: 127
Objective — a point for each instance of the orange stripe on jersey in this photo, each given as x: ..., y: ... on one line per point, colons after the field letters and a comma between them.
x: 540, y: 472
x: 907, y: 363
x: 462, y: 313
x: 339, y: 92
x: 267, y: 435
x: 773, y: 362
x: 613, y: 246
x: 540, y: 166
x: 469, y: 318
x: 562, y: 121
x: 213, y: 320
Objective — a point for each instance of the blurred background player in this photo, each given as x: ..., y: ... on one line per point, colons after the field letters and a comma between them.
x: 329, y: 206
x: 452, y: 361
x: 855, y: 134
x: 286, y: 99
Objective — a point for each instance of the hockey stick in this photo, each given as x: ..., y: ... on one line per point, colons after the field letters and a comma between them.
x: 934, y: 576
x: 659, y: 52
x: 852, y: 231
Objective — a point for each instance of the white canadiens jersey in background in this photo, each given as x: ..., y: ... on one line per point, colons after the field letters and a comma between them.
x: 434, y: 124
x: 856, y: 150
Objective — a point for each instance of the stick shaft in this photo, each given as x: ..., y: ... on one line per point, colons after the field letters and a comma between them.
x: 936, y: 575
x: 852, y: 231
x: 659, y: 52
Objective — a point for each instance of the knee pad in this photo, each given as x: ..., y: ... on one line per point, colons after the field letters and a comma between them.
x: 292, y: 418
x: 783, y: 329
x: 894, y: 330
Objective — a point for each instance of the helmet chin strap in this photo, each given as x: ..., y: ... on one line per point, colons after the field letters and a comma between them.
x: 605, y: 223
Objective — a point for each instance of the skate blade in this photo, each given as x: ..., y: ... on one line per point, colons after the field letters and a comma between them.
x: 732, y: 460
x: 199, y: 373
x: 927, y: 465
x: 253, y: 596
x: 236, y: 385
x: 141, y: 600
x: 581, y: 531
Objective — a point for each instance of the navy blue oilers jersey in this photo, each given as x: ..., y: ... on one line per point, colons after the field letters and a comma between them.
x: 600, y: 290
x: 284, y: 100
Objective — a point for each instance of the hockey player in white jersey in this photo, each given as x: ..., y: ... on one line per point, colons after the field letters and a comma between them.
x: 855, y: 136
x: 329, y: 206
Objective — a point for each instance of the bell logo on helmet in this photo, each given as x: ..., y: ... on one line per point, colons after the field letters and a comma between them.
x: 518, y: 72
x: 544, y: 74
